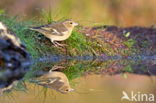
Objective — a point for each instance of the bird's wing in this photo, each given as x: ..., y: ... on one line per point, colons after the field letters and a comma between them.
x: 53, y: 29
x: 45, y: 81
x: 45, y: 30
x: 59, y: 27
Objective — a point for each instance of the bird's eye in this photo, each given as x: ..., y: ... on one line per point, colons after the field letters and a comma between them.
x: 71, y: 23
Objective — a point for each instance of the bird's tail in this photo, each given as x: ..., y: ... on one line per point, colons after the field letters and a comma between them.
x: 38, y: 29
x: 34, y: 28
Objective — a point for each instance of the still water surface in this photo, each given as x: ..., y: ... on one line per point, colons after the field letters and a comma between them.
x: 100, y: 80
x: 88, y: 89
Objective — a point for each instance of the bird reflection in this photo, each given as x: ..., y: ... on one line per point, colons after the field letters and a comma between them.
x: 55, y: 80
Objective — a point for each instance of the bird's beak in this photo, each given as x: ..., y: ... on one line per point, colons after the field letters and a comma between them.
x: 75, y: 24
x: 71, y: 90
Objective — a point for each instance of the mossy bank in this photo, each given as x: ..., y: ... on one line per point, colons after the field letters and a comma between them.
x: 108, y: 40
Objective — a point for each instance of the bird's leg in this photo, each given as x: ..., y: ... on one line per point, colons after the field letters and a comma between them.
x: 56, y: 44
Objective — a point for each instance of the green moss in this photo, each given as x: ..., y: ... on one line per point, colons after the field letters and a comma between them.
x: 77, y: 44
x: 130, y: 42
x: 128, y: 68
x: 75, y: 69
x: 28, y: 37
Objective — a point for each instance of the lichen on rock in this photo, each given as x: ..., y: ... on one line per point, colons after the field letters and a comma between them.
x: 14, y: 59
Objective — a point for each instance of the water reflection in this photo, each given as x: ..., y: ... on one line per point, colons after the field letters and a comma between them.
x: 89, y: 89
x: 54, y: 80
x: 90, y: 77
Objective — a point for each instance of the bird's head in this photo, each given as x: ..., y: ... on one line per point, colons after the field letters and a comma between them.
x: 69, y: 24
x: 66, y: 89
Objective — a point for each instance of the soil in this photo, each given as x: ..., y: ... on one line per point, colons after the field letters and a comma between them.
x: 145, y: 37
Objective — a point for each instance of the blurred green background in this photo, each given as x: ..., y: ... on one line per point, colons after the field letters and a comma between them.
x: 87, y: 12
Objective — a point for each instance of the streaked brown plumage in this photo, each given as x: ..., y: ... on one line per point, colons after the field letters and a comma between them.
x: 55, y: 80
x: 58, y: 31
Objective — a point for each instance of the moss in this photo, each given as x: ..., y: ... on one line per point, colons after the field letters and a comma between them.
x: 75, y: 69
x: 76, y: 43
x: 128, y: 68
x: 21, y: 29
x: 130, y: 42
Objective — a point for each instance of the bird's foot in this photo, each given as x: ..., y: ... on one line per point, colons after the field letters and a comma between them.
x: 56, y: 44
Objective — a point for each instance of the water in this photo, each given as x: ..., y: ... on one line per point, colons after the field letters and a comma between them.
x: 94, y: 79
x: 89, y: 89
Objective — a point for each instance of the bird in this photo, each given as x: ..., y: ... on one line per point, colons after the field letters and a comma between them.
x: 57, y: 31
x: 54, y: 80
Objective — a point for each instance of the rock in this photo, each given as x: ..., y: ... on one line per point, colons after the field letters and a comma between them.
x: 13, y: 56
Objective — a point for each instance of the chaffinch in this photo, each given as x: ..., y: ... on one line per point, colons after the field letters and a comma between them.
x: 58, y: 31
x: 55, y: 80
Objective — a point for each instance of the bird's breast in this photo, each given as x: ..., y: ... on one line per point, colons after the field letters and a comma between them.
x: 65, y: 36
